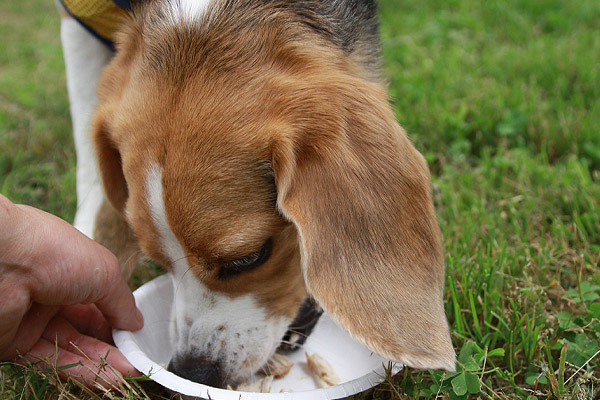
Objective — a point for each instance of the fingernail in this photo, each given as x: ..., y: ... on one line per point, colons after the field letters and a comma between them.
x: 139, y: 318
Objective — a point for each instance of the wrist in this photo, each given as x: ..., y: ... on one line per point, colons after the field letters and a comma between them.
x: 9, y: 221
x: 16, y: 246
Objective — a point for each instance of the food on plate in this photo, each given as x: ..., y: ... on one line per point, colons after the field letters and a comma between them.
x: 278, y: 366
x: 322, y: 371
x: 262, y: 385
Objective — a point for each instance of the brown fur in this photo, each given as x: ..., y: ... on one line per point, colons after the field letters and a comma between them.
x: 359, y: 194
x: 223, y: 109
x: 113, y: 233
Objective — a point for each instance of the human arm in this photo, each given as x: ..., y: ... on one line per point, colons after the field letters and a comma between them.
x: 53, y: 279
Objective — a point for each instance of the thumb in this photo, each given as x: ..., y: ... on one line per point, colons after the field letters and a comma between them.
x: 69, y: 268
x: 112, y: 296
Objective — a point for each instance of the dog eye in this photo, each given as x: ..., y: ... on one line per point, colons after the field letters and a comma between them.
x: 252, y: 261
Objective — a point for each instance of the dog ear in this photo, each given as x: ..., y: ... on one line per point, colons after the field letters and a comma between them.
x: 109, y: 163
x: 111, y: 85
x: 359, y: 194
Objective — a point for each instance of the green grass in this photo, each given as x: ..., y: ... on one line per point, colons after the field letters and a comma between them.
x: 36, y: 147
x: 473, y: 76
x: 503, y: 99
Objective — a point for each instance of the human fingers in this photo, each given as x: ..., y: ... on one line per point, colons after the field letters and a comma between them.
x: 46, y: 353
x: 69, y: 268
x: 88, y: 320
x: 66, y: 337
x: 22, y: 335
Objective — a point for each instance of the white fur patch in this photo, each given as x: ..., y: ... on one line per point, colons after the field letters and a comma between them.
x: 234, y: 331
x: 188, y: 10
x: 84, y: 57
x: 170, y: 245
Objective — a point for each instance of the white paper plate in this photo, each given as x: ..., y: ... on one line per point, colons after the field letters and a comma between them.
x: 149, y: 351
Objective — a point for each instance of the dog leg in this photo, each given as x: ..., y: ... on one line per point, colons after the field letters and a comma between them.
x: 113, y: 232
x: 85, y: 56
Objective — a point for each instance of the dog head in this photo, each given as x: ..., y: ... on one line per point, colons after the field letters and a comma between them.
x: 259, y: 164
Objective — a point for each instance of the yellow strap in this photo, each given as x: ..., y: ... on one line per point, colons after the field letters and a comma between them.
x: 102, y: 16
x: 87, y: 8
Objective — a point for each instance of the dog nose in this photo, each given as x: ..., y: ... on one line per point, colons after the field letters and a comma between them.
x: 197, y: 369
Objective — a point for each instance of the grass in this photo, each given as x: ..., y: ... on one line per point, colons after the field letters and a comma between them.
x: 502, y: 98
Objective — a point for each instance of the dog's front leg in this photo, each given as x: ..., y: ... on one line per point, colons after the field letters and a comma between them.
x: 85, y: 56
x: 113, y: 232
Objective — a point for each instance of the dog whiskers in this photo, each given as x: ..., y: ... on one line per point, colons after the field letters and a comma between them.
x: 172, y: 265
x: 293, y: 331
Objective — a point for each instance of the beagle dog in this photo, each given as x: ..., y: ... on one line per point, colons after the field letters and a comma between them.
x: 249, y: 147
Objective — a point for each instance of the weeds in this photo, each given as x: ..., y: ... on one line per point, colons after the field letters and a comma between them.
x: 502, y: 98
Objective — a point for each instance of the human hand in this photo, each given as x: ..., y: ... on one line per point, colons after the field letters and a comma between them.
x: 60, y: 294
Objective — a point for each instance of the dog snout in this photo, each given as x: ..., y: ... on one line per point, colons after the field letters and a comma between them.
x: 197, y: 369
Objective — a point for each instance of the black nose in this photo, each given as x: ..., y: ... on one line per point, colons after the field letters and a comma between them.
x: 197, y: 369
